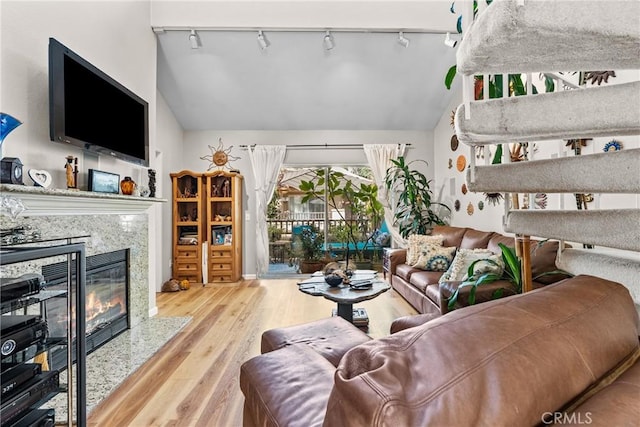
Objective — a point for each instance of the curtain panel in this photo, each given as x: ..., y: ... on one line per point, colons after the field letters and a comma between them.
x: 266, y: 161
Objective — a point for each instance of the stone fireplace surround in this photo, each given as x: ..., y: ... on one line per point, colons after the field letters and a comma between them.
x: 114, y: 222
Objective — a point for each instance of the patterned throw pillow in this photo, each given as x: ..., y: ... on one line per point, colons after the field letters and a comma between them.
x: 418, y: 242
x: 464, y: 258
x: 435, y: 258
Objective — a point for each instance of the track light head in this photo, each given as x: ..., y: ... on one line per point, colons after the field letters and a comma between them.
x: 328, y: 41
x: 194, y: 40
x: 262, y: 41
x: 449, y: 41
x: 402, y: 40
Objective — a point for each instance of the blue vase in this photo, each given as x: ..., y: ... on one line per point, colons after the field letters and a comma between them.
x: 7, y: 124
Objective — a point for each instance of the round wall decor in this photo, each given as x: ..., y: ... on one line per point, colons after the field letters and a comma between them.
x: 450, y: 164
x: 454, y: 142
x: 464, y: 188
x: 456, y: 205
x: 461, y: 163
x: 480, y: 205
x: 470, y: 208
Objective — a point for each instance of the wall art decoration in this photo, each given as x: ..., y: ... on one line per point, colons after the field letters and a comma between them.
x: 470, y: 208
x: 456, y: 205
x: 480, y: 205
x: 598, y: 76
x: 461, y: 163
x: 450, y: 163
x: 493, y: 198
x: 612, y: 145
x: 540, y: 201
x: 454, y: 142
x: 464, y: 189
x: 220, y: 157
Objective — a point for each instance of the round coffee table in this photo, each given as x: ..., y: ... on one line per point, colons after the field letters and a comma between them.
x: 344, y: 295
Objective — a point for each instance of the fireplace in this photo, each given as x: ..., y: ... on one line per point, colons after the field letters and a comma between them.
x: 107, y: 290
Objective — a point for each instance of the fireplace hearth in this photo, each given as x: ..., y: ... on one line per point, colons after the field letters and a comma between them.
x: 107, y: 290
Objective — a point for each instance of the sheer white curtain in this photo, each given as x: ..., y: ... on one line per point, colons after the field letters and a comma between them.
x: 266, y: 161
x: 379, y: 157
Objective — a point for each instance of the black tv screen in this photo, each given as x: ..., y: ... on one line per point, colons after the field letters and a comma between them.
x: 89, y: 109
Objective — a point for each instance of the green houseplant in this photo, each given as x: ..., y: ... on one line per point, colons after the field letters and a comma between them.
x: 365, y: 212
x: 414, y: 207
x: 512, y: 273
x: 309, y: 248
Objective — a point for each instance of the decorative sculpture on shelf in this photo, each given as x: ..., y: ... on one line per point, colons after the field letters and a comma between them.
x: 7, y: 124
x: 72, y: 172
x: 152, y: 182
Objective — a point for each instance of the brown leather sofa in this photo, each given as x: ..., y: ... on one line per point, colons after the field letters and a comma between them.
x: 421, y: 288
x: 565, y: 353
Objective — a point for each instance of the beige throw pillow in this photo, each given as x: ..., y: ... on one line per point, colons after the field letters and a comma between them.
x: 435, y: 258
x: 464, y: 258
x: 418, y: 242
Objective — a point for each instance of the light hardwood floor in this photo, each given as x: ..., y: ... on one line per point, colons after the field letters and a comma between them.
x: 194, y: 379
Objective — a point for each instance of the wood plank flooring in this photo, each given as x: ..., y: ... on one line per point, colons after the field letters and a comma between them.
x: 194, y: 379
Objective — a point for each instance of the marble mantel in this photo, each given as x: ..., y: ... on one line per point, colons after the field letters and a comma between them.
x: 43, y: 202
x: 113, y: 221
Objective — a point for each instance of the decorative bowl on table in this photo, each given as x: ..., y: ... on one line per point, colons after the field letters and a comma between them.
x: 333, y: 280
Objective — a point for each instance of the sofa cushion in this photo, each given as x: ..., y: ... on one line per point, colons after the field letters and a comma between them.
x: 452, y: 236
x: 421, y: 279
x: 557, y: 339
x: 435, y: 258
x: 464, y: 258
x: 475, y: 239
x: 405, y: 271
x: 433, y: 293
x: 330, y: 337
x: 419, y: 242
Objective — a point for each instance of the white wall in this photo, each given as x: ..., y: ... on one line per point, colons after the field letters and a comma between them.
x: 117, y: 38
x: 196, y: 146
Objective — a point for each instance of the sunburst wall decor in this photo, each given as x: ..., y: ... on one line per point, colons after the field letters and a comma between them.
x: 220, y: 157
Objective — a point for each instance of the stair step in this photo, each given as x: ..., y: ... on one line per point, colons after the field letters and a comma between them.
x: 517, y: 36
x: 581, y: 113
x: 612, y: 172
x: 622, y: 268
x: 615, y: 228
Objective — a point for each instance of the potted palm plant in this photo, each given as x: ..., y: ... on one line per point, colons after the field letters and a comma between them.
x: 414, y: 209
x: 310, y: 249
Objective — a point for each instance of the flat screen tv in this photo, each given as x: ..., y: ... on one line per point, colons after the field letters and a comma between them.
x: 90, y: 110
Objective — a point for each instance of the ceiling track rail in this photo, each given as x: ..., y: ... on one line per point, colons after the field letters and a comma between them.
x: 318, y: 146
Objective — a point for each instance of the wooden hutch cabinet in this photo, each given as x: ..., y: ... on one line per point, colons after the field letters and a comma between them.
x: 224, y: 225
x: 188, y: 231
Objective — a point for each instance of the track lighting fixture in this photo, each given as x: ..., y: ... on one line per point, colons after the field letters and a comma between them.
x: 262, y: 41
x: 328, y: 41
x: 449, y: 41
x: 402, y: 40
x: 194, y: 40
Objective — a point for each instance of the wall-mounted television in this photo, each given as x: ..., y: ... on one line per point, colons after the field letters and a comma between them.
x: 90, y: 110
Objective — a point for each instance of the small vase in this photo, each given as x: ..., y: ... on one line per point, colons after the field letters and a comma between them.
x: 127, y: 185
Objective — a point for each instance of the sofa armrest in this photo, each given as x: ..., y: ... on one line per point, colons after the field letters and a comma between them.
x: 484, y: 293
x: 289, y: 386
x: 396, y: 257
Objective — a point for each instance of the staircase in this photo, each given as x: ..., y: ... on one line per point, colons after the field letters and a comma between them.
x: 526, y: 36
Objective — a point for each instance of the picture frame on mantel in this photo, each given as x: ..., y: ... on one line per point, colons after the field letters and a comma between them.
x: 104, y: 182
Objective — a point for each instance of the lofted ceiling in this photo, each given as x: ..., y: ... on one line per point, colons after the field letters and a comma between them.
x: 368, y: 81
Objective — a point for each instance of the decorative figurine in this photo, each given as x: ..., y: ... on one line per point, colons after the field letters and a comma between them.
x: 226, y: 188
x: 72, y: 172
x: 152, y: 182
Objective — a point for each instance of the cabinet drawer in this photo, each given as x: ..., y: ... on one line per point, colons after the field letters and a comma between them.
x: 221, y: 259
x: 220, y: 252
x: 187, y: 252
x: 187, y: 267
x: 221, y: 266
x: 220, y: 277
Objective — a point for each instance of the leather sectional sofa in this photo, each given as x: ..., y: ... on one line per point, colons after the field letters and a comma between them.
x: 565, y: 353
x: 422, y: 290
